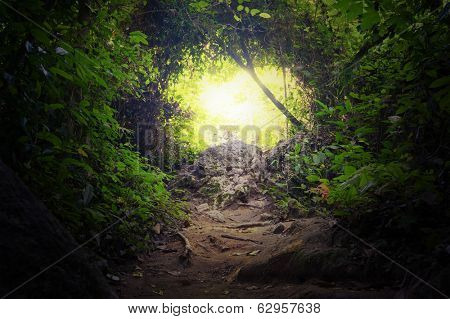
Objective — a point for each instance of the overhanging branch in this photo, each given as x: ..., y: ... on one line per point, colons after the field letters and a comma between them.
x: 248, y: 66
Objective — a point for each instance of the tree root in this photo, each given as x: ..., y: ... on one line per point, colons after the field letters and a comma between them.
x: 250, y: 225
x: 240, y: 239
x: 253, y: 206
x: 185, y: 258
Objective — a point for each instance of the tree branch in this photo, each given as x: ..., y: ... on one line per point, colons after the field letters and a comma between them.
x: 248, y: 66
x: 251, y: 71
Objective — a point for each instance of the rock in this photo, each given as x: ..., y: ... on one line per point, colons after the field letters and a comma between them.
x: 31, y: 239
x: 239, y: 254
x: 312, y: 254
x: 266, y: 217
x: 216, y: 216
x: 157, y: 229
x: 279, y: 229
x: 259, y: 203
x: 174, y: 273
x: 203, y: 207
x: 252, y: 288
x: 187, y: 181
x: 159, y: 292
x: 254, y: 253
x: 112, y: 277
x: 224, y: 174
x: 295, y: 227
x: 217, y: 243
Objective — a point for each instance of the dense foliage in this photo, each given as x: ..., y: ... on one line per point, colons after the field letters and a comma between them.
x: 388, y: 125
x: 63, y: 64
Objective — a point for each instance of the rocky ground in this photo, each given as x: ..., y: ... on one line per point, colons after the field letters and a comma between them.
x: 238, y: 245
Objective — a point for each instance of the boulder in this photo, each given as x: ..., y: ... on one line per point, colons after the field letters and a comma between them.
x: 279, y: 228
x: 225, y: 174
x: 309, y: 252
x: 216, y: 216
x: 39, y: 257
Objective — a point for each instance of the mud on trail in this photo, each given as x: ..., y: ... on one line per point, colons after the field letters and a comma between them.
x: 238, y: 245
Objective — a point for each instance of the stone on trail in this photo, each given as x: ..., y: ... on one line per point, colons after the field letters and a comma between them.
x: 266, y: 217
x: 278, y: 229
x: 157, y: 228
x: 203, y: 207
x: 225, y: 174
x: 216, y: 216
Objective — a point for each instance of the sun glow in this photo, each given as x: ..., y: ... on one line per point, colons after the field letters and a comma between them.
x: 222, y: 104
x: 232, y: 106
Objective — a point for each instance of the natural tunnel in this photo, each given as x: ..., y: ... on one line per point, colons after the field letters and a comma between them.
x: 224, y: 149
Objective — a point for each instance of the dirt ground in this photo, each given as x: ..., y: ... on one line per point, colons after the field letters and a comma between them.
x: 215, y: 263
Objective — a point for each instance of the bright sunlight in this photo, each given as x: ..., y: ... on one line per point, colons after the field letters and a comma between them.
x: 230, y: 105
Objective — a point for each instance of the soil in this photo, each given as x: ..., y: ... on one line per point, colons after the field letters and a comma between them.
x: 216, y: 263
x: 239, y: 245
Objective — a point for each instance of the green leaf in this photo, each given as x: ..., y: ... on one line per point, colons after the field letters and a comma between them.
x: 137, y: 37
x: 41, y: 36
x: 440, y: 82
x: 349, y: 170
x: 96, y: 215
x: 318, y: 158
x: 240, y: 7
x: 74, y: 162
x: 52, y: 107
x: 369, y: 19
x: 356, y: 9
x: 365, y: 182
x: 329, y: 2
x: 51, y: 138
x: 341, y: 213
x: 100, y: 81
x: 120, y: 166
x: 312, y: 178
x: 62, y: 73
x: 237, y: 18
x: 254, y: 12
x: 265, y: 15
x: 321, y: 104
x: 200, y: 6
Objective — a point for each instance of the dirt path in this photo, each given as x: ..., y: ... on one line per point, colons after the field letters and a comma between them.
x: 243, y: 246
x: 217, y: 259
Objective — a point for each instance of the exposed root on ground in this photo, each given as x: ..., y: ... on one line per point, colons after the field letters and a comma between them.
x: 238, y: 245
x: 185, y: 258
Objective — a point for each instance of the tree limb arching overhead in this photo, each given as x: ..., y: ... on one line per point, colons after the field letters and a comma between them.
x: 249, y: 67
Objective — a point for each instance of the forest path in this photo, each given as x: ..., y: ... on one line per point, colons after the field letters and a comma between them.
x: 242, y: 245
x: 216, y: 261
